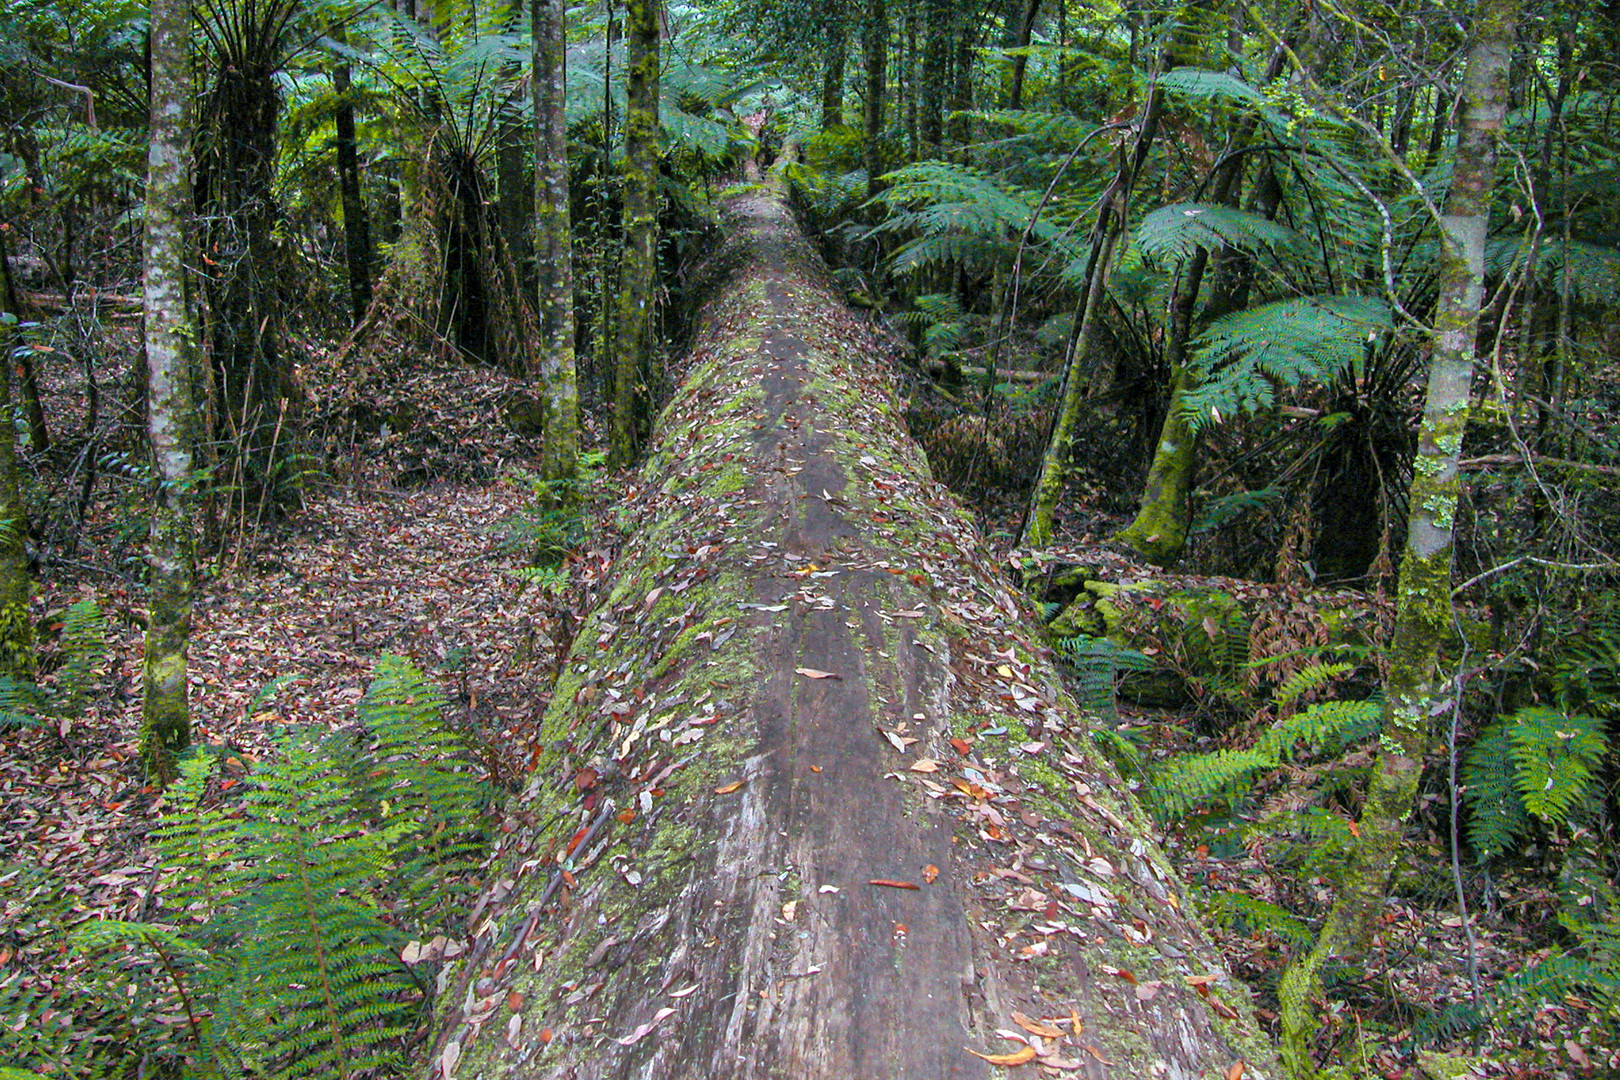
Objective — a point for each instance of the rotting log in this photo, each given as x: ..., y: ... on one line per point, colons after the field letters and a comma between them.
x: 810, y: 803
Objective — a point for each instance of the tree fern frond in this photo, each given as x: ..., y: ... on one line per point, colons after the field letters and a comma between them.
x: 1178, y: 230
x: 1202, y: 85
x: 1555, y: 756
x: 1496, y: 815
x: 1242, y: 357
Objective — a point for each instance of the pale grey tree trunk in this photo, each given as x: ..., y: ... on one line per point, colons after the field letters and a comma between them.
x: 559, y: 381
x: 1423, y: 601
x: 171, y: 365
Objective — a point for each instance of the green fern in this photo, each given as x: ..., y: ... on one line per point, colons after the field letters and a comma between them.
x: 81, y: 650
x: 1555, y: 756
x: 1191, y: 782
x: 1242, y: 357
x: 1180, y: 229
x: 1095, y: 663
x: 421, y: 779
x: 1306, y: 679
x: 1496, y: 815
x: 1248, y: 915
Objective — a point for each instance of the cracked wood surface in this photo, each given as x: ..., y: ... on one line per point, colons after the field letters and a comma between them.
x: 690, y: 884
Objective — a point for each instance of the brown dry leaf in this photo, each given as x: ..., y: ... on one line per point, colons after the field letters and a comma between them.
x: 1236, y: 1071
x: 1035, y: 1027
x: 930, y: 874
x: 642, y: 1029
x: 925, y: 765
x: 816, y: 673
x: 1017, y: 1057
x: 893, y: 884
x: 448, y: 1059
x: 514, y: 1001
x: 1096, y: 1053
x: 1057, y: 1061
x: 727, y: 789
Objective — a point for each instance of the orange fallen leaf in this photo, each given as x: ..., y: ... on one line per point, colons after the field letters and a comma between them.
x: 1236, y: 1071
x: 1035, y: 1027
x: 815, y: 768
x: 1222, y: 1009
x: 930, y: 874
x: 962, y: 746
x: 514, y: 1001
x: 625, y: 817
x: 727, y: 789
x: 1074, y: 1021
x: 545, y: 1035
x: 1017, y: 1057
x: 1096, y: 1053
x: 816, y: 673
x: 924, y: 765
x: 893, y: 884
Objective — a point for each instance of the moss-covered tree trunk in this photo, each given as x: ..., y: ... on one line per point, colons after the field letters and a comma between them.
x: 1416, y: 687
x: 553, y: 244
x: 171, y: 358
x: 638, y: 270
x: 811, y: 802
x: 1019, y: 30
x: 16, y: 584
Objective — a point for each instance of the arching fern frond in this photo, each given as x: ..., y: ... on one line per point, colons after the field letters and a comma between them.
x: 1242, y: 357
x: 1178, y: 230
x: 1202, y: 85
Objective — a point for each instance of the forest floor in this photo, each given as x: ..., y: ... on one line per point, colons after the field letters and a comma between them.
x: 399, y: 550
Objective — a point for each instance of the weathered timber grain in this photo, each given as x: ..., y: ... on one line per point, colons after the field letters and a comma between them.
x: 722, y: 816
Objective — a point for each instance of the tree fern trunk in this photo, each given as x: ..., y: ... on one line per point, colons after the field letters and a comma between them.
x: 832, y: 72
x: 171, y: 370
x: 356, y: 225
x: 553, y: 243
x: 875, y: 46
x: 1423, y: 601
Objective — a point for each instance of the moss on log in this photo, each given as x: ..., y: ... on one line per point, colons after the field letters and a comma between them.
x: 812, y: 805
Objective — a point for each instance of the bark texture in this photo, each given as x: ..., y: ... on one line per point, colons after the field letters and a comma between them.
x: 553, y: 244
x: 16, y: 585
x: 1423, y: 613
x: 356, y: 223
x: 813, y: 805
x: 171, y: 359
x: 638, y: 271
x: 875, y: 57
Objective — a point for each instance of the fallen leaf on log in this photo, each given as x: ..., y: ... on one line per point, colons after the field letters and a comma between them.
x: 1017, y: 1057
x: 642, y: 1030
x: 816, y: 673
x: 1035, y: 1027
x: 893, y: 884
x: 727, y: 789
x: 930, y: 874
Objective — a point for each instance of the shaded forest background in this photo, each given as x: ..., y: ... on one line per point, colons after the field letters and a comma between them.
x: 1166, y: 285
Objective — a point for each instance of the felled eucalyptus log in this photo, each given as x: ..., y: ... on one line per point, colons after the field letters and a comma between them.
x: 810, y: 804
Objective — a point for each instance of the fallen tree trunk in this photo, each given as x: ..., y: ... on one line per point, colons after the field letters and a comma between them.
x: 812, y: 806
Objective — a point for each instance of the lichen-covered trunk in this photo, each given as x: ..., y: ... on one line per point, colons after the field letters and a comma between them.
x: 1423, y: 614
x: 171, y: 359
x: 638, y: 269
x: 553, y: 245
x: 812, y: 804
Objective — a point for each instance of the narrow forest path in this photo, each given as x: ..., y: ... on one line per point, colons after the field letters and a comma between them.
x: 811, y: 802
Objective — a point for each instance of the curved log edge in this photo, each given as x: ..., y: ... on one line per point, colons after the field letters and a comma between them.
x: 812, y: 804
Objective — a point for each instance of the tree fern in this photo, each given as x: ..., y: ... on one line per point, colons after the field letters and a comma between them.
x: 1535, y: 765
x: 1242, y: 357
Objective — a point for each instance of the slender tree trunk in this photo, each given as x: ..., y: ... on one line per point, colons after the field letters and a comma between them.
x: 1423, y: 600
x: 356, y: 225
x: 171, y: 365
x: 909, y: 69
x: 1018, y: 38
x: 935, y: 69
x: 515, y: 192
x: 875, y: 48
x: 559, y: 382
x: 832, y: 73
x: 633, y: 353
x: 961, y: 96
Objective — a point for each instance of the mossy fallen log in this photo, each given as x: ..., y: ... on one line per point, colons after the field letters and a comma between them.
x: 811, y: 803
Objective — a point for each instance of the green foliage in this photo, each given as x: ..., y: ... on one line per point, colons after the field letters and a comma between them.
x: 551, y: 525
x: 1536, y: 764
x: 1095, y: 664
x: 80, y: 649
x: 953, y: 214
x: 289, y: 903
x: 1241, y: 358
x: 1190, y: 782
x: 936, y: 321
x: 1178, y: 230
